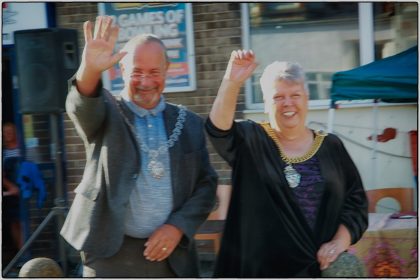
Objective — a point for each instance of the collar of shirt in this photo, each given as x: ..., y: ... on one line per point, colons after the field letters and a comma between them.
x: 141, y: 112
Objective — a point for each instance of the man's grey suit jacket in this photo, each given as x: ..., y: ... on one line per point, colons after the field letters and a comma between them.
x: 95, y: 222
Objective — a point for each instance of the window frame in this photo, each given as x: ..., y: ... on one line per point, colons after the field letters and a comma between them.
x: 366, y: 50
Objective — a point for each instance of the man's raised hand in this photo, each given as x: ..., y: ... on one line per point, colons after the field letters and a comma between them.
x: 98, y: 52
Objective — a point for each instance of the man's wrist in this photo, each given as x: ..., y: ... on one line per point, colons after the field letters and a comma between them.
x: 87, y: 81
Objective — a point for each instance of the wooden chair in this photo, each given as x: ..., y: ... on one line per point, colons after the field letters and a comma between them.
x: 404, y: 196
x: 213, y: 226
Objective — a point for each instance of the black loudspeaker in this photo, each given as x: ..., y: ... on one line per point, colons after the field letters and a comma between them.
x: 46, y: 59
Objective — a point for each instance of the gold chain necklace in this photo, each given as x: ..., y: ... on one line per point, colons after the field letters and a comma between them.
x: 292, y: 176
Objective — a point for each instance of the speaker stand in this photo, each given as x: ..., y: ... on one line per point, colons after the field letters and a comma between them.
x: 59, y: 210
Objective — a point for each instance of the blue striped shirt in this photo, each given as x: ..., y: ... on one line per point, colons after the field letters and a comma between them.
x: 151, y: 201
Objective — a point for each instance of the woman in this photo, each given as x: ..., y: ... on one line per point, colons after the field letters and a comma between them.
x: 298, y: 201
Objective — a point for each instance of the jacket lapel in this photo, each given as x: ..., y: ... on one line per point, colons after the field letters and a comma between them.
x: 175, y: 153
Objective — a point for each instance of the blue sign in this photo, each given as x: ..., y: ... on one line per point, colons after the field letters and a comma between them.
x: 172, y: 23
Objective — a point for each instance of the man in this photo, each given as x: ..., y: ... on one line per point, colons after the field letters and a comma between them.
x: 148, y: 184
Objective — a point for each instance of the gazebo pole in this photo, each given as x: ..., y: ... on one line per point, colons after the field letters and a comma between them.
x: 375, y: 142
x: 331, y: 112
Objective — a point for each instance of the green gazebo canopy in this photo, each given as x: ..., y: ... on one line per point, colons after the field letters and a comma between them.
x: 392, y: 79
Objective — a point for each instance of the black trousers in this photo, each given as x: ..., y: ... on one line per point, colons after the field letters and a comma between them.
x: 128, y: 262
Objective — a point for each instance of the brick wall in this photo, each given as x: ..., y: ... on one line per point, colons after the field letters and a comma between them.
x: 72, y: 15
x: 217, y: 31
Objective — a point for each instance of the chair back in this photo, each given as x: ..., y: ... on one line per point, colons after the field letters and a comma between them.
x: 404, y: 196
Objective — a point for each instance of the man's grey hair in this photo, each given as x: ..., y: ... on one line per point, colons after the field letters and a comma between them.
x: 141, y: 39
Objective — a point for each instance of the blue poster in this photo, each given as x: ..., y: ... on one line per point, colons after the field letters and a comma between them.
x: 172, y: 23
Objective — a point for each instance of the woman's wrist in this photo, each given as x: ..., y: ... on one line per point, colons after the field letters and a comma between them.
x: 229, y: 88
x: 343, y: 237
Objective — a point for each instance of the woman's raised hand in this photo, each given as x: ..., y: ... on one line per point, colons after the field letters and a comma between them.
x: 98, y: 52
x: 241, y: 65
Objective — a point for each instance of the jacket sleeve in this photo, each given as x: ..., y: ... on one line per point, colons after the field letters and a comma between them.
x: 226, y: 142
x: 354, y: 213
x: 199, y: 200
x: 197, y: 208
x: 87, y: 113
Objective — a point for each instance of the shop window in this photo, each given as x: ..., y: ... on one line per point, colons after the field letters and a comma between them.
x: 322, y: 37
x: 395, y: 25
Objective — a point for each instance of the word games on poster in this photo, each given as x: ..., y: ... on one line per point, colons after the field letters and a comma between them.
x: 172, y: 23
